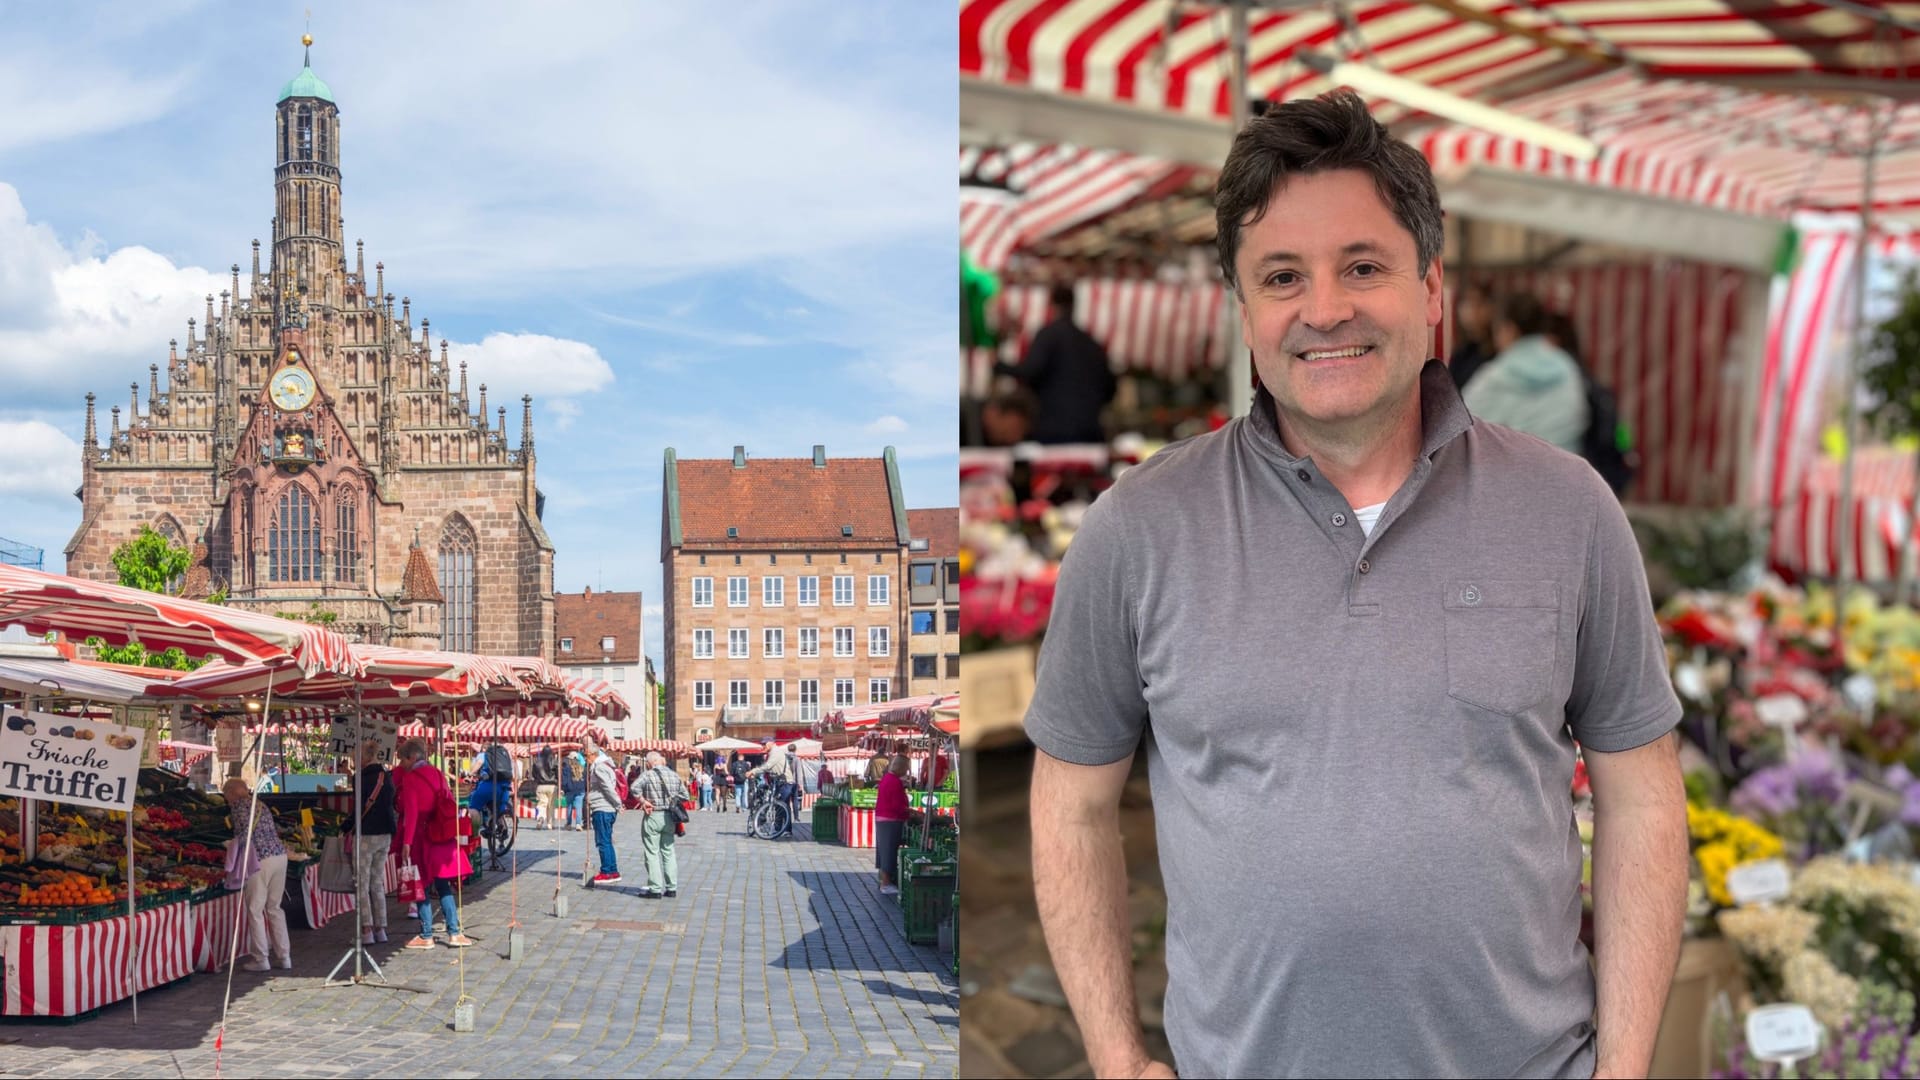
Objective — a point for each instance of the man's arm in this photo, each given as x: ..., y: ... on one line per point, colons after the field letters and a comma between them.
x: 1080, y: 881
x: 1639, y: 896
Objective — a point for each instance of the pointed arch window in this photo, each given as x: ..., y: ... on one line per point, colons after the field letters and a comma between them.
x: 171, y: 532
x: 459, y: 586
x: 293, y: 538
x: 346, y: 535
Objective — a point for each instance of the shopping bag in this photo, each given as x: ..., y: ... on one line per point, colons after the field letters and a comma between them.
x: 412, y: 890
x: 336, y: 866
x: 237, y: 871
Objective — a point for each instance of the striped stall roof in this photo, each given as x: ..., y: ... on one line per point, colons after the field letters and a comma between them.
x: 43, y: 602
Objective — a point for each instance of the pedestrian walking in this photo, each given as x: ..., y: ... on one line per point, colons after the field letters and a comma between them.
x: 546, y: 787
x: 374, y: 842
x: 573, y: 788
x: 603, y: 803
x: 723, y: 788
x: 661, y: 792
x: 738, y: 768
x: 267, y: 944
x: 706, y: 789
x: 420, y: 806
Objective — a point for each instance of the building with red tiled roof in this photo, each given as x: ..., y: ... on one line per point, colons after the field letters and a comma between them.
x: 597, y: 636
x: 933, y: 601
x: 784, y: 590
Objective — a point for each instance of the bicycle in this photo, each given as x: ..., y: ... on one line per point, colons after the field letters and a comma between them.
x: 772, y: 816
x: 499, y: 827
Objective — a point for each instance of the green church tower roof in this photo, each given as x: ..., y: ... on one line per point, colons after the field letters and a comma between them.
x: 307, y: 84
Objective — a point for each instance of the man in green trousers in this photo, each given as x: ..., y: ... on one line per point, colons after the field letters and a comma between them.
x: 660, y: 789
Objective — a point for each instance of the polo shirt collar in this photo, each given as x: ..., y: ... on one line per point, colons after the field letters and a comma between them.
x: 1443, y: 417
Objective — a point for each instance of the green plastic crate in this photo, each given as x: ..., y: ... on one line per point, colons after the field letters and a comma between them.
x: 926, y: 899
x: 826, y: 821
x: 862, y: 798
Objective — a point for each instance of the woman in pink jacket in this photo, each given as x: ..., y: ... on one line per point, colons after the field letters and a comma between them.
x: 417, y: 786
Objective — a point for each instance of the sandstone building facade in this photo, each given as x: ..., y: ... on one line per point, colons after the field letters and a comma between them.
x: 932, y: 589
x: 310, y: 447
x: 783, y: 591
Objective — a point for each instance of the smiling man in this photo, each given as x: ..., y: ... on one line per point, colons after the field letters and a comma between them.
x: 1360, y: 634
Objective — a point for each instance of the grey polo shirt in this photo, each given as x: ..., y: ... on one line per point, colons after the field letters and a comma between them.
x: 1359, y: 745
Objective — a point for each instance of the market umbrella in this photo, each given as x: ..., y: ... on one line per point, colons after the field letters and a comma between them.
x: 43, y: 602
x: 724, y: 743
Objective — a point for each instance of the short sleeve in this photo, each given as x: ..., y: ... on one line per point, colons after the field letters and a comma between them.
x: 1088, y: 706
x: 1622, y: 695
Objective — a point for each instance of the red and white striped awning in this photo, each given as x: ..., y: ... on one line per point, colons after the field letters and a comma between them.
x: 1175, y: 57
x: 903, y: 712
x: 528, y: 728
x: 43, y: 602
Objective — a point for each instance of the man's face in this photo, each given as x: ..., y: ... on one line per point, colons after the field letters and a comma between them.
x: 1335, y: 308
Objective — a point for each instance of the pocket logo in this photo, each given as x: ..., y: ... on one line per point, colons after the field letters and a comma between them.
x: 1470, y: 595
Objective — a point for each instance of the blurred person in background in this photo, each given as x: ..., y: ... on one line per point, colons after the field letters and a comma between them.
x: 1473, y: 326
x: 1532, y: 385
x: 1069, y: 375
x: 1007, y: 418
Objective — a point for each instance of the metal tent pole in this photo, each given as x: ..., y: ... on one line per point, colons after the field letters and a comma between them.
x: 1849, y: 569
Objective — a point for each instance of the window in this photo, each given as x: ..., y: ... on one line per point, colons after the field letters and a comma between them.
x: 606, y: 644
x: 703, y: 644
x: 952, y: 589
x: 953, y: 621
x: 703, y: 695
x: 809, y: 641
x: 737, y: 643
x: 926, y: 667
x: 843, y: 590
x: 774, y: 694
x: 843, y: 641
x: 736, y: 592
x: 346, y: 536
x: 842, y: 693
x: 293, y: 538
x: 809, y: 700
x: 923, y: 583
x: 619, y: 674
x: 775, y: 643
x: 773, y: 591
x: 703, y: 592
x: 953, y: 665
x: 458, y: 615
x: 810, y: 591
x: 566, y: 644
x: 923, y: 622
x: 879, y: 691
x: 879, y: 590
x: 737, y: 693
x: 878, y: 641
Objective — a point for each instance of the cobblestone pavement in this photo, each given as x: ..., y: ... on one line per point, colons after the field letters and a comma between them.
x: 776, y: 959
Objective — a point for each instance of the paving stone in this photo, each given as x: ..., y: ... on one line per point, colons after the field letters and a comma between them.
x: 775, y: 960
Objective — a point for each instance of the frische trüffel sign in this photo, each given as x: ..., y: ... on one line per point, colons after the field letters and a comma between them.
x: 61, y: 759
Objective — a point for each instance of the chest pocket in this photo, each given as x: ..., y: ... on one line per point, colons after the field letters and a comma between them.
x: 1502, y: 641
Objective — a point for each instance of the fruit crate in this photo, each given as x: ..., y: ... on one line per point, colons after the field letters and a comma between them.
x: 862, y: 798
x: 826, y: 821
x: 927, y: 891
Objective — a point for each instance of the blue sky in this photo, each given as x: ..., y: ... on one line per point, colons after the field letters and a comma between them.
x: 670, y: 231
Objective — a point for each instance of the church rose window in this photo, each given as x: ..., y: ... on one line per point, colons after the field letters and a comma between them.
x: 293, y: 538
x: 459, y: 586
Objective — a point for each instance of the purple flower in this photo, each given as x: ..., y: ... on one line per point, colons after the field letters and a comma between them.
x: 1771, y: 792
x: 1903, y: 781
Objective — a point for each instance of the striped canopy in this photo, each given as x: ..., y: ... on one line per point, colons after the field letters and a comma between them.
x: 904, y: 712
x: 43, y: 602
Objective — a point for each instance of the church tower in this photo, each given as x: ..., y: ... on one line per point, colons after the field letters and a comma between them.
x: 308, y: 252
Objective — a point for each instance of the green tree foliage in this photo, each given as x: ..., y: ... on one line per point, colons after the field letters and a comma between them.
x: 1894, y: 372
x: 150, y: 562
x: 138, y: 655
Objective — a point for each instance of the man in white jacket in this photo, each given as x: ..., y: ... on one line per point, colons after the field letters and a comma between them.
x: 603, y: 805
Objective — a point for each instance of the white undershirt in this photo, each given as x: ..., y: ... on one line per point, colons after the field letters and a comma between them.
x: 1367, y: 516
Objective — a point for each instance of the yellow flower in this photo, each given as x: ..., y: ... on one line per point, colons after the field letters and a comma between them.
x: 1715, y: 860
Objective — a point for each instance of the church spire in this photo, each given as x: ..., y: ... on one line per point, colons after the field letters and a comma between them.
x: 526, y: 423
x: 92, y: 439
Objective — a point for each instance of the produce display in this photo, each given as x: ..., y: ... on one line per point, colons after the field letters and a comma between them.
x: 179, y: 850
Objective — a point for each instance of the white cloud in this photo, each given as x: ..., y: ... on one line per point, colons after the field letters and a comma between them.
x: 50, y: 98
x: 888, y: 425
x: 564, y: 412
x: 37, y: 460
x: 79, y: 320
x: 549, y: 368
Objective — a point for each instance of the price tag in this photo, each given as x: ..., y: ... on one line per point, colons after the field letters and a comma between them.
x: 1758, y: 882
x: 1783, y: 1033
x: 306, y: 818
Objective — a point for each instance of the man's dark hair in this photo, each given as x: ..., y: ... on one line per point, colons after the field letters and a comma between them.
x: 1019, y: 401
x: 1062, y: 297
x: 1561, y: 329
x: 1332, y: 131
x: 1525, y: 311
